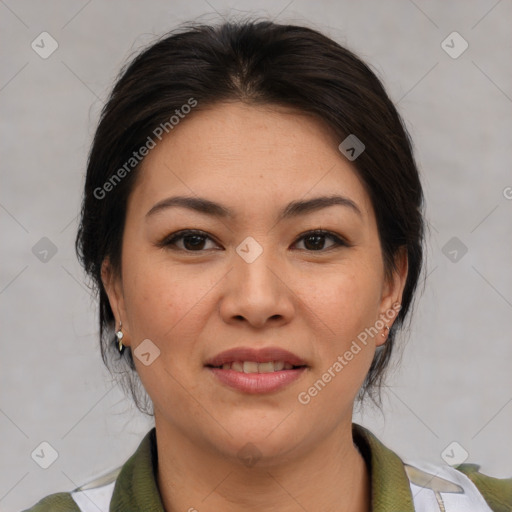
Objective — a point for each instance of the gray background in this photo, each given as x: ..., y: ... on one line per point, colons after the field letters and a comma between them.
x: 454, y: 382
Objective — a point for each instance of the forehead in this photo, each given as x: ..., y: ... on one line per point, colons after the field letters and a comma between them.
x: 247, y: 156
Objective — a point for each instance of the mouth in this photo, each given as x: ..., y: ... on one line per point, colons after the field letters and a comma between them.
x: 256, y: 371
x: 255, y: 367
x: 250, y: 360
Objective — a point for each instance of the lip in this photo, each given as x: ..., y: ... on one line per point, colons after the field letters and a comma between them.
x: 263, y: 355
x: 257, y: 383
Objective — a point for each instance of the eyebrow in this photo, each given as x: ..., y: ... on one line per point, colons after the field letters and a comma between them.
x: 292, y: 209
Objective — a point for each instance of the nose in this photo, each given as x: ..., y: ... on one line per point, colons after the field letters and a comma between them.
x: 257, y: 293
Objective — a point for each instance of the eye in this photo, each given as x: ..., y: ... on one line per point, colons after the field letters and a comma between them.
x: 193, y: 240
x: 315, y: 240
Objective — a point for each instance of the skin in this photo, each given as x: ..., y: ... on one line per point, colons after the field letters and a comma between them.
x: 193, y: 305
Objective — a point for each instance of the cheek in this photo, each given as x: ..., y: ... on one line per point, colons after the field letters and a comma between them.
x: 170, y: 304
x: 159, y: 298
x: 347, y: 304
x: 347, y: 300
x: 164, y: 306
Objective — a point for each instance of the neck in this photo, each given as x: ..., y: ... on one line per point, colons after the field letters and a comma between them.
x: 331, y: 477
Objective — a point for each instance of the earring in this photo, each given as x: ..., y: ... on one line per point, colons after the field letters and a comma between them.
x: 387, y: 331
x: 119, y: 335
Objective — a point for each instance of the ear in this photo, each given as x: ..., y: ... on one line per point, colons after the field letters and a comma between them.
x: 393, y: 290
x: 113, y: 284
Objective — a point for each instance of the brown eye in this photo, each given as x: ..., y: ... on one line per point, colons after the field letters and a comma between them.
x: 192, y: 241
x: 315, y: 240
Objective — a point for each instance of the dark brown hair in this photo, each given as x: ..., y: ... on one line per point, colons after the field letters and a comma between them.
x: 256, y: 62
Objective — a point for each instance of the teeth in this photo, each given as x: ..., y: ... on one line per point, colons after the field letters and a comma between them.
x: 253, y: 367
x: 237, y: 366
x: 266, y: 367
x: 250, y: 367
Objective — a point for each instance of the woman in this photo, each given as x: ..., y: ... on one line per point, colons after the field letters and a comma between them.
x: 252, y: 218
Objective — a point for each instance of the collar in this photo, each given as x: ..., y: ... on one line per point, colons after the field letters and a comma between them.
x: 136, y: 486
x: 390, y: 487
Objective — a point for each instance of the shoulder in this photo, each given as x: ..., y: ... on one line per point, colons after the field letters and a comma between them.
x: 454, y: 487
x: 422, y: 486
x: 496, y: 491
x: 95, y: 496
x: 124, y: 488
x: 58, y: 502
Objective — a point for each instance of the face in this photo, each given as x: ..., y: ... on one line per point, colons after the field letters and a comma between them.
x: 252, y: 278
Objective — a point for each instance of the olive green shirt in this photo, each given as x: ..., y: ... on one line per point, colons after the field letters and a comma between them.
x: 136, y: 487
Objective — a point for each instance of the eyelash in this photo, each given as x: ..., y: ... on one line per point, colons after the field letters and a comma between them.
x: 172, y: 239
